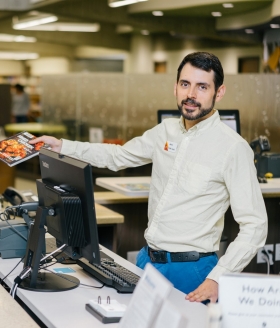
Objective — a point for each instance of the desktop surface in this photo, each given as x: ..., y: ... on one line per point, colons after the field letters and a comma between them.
x: 67, y: 309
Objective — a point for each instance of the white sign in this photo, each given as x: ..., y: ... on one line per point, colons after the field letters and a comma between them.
x: 95, y: 135
x: 250, y: 300
x: 146, y: 300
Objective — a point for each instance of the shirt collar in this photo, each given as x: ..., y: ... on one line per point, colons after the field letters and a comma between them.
x: 203, y: 125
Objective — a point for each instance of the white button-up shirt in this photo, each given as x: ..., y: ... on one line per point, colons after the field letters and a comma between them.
x: 196, y: 175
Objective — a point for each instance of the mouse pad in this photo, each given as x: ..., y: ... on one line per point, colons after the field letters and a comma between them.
x: 63, y: 270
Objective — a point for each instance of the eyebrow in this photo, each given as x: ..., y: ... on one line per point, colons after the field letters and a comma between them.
x: 199, y: 83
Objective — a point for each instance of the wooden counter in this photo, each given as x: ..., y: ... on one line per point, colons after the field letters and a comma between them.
x: 130, y: 234
x: 108, y: 222
x: 111, y: 197
x: 107, y: 216
x: 12, y: 314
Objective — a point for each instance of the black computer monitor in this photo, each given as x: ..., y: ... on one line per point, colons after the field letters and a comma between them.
x: 66, y: 208
x: 231, y: 118
x: 228, y: 116
x: 167, y: 113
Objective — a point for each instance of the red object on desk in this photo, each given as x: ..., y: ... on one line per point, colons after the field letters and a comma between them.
x: 114, y: 141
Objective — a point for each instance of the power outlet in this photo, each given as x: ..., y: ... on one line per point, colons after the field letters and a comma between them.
x: 277, y: 252
x: 260, y: 255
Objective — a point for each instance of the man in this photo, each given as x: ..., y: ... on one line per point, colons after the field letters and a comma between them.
x: 200, y: 166
x: 20, y: 104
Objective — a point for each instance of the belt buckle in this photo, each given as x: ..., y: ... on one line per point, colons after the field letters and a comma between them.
x: 193, y: 256
x: 158, y: 256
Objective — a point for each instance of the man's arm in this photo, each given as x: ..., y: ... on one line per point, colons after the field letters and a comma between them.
x: 249, y: 212
x: 136, y: 152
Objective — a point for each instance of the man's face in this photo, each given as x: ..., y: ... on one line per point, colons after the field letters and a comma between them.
x: 195, y: 93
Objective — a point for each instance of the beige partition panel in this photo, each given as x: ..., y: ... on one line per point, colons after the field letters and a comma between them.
x: 125, y: 105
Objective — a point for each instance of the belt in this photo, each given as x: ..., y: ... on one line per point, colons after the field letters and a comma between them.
x: 161, y: 256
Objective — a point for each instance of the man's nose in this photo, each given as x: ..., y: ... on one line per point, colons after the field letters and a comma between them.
x: 191, y: 92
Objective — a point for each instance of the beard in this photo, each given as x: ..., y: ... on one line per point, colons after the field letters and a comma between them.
x: 188, y: 115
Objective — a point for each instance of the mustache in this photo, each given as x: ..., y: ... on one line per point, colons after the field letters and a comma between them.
x: 190, y: 101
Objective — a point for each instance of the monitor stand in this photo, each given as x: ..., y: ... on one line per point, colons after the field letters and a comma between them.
x: 43, y: 281
x: 51, y: 282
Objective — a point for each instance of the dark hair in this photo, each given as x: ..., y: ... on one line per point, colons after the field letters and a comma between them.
x: 19, y: 87
x: 206, y: 62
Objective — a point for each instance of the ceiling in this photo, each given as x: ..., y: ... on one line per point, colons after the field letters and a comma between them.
x: 181, y: 20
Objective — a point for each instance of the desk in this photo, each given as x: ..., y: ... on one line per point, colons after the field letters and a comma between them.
x: 35, y: 128
x: 271, y: 188
x: 134, y: 208
x: 130, y: 234
x: 128, y: 186
x: 67, y: 309
x: 107, y: 221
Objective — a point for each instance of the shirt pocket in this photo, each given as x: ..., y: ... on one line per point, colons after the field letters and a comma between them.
x: 195, y: 178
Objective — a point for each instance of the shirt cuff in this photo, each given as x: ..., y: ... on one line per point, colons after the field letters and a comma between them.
x: 217, y: 272
x: 67, y: 147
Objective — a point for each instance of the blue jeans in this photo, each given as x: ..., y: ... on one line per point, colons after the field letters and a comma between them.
x: 185, y: 276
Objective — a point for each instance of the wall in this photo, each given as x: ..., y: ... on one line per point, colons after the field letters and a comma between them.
x: 11, y: 67
x: 228, y: 57
x: 125, y: 105
x: 48, y: 65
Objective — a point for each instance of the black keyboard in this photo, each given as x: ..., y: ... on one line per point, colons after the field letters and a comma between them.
x: 111, y: 274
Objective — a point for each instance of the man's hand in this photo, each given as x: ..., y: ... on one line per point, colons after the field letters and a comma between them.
x: 208, y: 290
x: 54, y: 143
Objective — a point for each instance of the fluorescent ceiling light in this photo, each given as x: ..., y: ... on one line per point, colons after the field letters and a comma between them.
x: 66, y: 27
x: 249, y: 31
x: 16, y: 38
x: 119, y: 3
x: 35, y: 1
x: 157, y: 13
x: 228, y: 5
x: 9, y: 55
x: 145, y: 32
x: 274, y: 25
x: 216, y: 14
x: 33, y: 21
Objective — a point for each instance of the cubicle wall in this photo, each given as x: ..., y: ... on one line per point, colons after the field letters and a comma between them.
x: 125, y: 105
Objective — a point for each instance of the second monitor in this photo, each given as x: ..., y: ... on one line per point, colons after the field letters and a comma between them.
x: 228, y: 116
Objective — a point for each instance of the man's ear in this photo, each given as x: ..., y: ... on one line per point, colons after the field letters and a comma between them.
x: 221, y: 92
x: 175, y: 89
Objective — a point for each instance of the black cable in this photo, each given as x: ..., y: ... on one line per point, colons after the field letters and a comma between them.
x: 92, y: 286
x: 1, y: 280
x: 269, y: 251
x: 266, y: 259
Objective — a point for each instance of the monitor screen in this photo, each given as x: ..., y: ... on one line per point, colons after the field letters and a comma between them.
x: 231, y: 118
